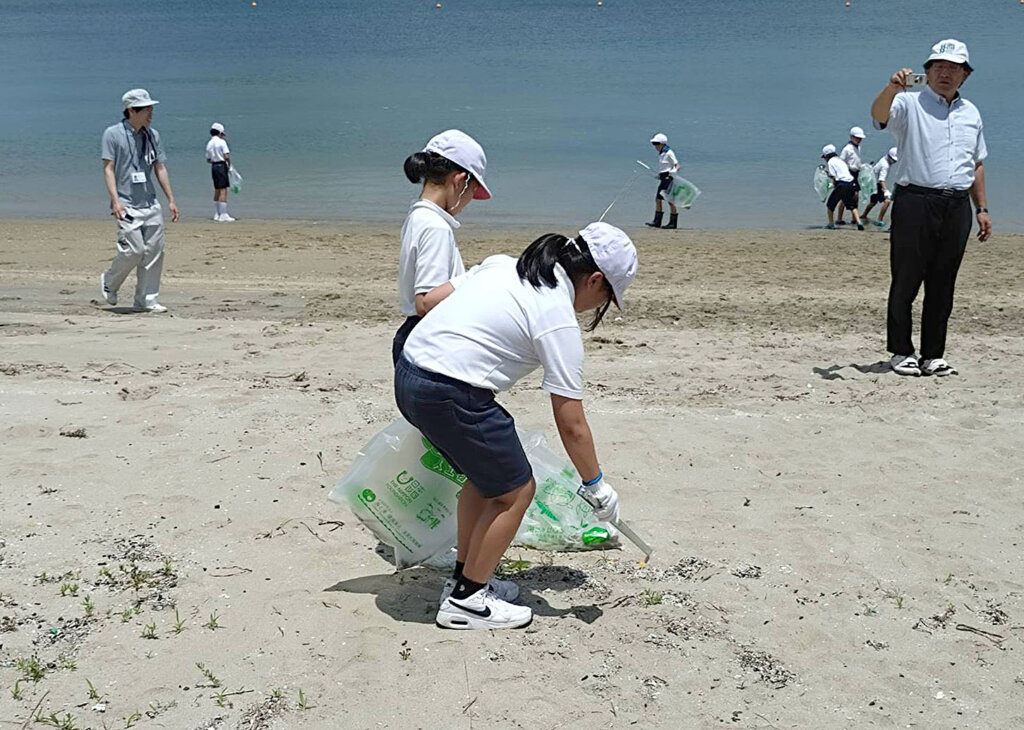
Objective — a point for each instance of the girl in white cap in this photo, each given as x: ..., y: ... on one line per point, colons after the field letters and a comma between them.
x: 451, y: 168
x: 667, y: 164
x: 491, y: 327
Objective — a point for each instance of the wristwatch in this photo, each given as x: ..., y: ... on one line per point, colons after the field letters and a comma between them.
x: 983, y: 210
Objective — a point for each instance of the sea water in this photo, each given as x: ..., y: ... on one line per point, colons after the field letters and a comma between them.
x: 324, y: 100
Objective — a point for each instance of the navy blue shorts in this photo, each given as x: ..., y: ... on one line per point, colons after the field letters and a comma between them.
x: 471, y: 430
x: 664, y: 182
x: 221, y: 181
x: 843, y: 192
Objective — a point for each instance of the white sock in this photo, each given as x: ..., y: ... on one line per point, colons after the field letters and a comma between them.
x: 222, y: 208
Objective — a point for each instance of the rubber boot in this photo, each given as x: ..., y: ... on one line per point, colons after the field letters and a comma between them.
x: 673, y: 221
x: 657, y: 220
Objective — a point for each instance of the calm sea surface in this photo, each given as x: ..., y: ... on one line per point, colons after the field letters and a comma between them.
x: 324, y: 100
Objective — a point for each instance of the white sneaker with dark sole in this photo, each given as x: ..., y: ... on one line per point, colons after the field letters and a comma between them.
x: 154, y: 309
x: 937, y: 367
x: 109, y: 296
x: 506, y: 590
x: 482, y: 610
x: 905, y: 365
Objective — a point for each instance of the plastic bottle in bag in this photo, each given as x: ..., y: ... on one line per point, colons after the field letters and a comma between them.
x: 680, y: 192
x: 235, y: 179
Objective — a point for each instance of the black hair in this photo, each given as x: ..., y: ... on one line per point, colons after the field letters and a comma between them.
x: 429, y: 167
x: 214, y: 133
x: 136, y: 108
x: 537, y: 265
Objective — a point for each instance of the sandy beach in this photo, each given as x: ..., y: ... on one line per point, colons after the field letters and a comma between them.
x: 836, y: 546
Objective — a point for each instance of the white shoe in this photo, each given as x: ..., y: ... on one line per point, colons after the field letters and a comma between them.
x: 938, y: 367
x: 154, y: 309
x: 482, y: 610
x: 217, y: 217
x: 226, y: 219
x: 905, y: 365
x: 109, y: 296
x: 506, y: 590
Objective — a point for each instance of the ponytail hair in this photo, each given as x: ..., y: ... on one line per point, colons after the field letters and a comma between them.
x: 537, y: 266
x: 429, y: 167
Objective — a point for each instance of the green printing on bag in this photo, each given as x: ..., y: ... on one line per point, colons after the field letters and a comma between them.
x: 433, y: 460
x: 545, y: 511
x: 388, y: 521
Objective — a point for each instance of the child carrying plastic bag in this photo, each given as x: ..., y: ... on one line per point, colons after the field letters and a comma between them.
x: 406, y: 494
x: 680, y: 192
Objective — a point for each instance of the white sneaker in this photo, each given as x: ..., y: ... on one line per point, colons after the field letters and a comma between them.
x: 109, y: 296
x: 217, y: 217
x: 938, y: 367
x: 905, y: 365
x: 482, y: 610
x: 506, y: 590
x: 154, y: 309
x: 226, y: 219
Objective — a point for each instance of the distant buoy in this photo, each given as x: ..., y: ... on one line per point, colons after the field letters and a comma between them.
x: 438, y: 6
x: 600, y: 3
x: 254, y: 4
x: 847, y: 4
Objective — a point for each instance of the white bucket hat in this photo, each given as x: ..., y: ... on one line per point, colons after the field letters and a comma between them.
x: 659, y: 138
x: 950, y: 50
x: 217, y: 127
x: 829, y: 149
x: 614, y: 254
x: 137, y: 98
x: 857, y: 132
x: 465, y: 152
x: 892, y: 154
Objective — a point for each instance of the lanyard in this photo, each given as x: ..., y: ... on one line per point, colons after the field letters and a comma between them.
x: 150, y: 149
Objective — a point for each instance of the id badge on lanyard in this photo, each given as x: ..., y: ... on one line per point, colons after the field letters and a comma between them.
x: 139, y: 177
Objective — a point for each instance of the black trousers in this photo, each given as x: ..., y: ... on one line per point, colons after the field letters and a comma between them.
x: 401, y: 336
x: 927, y: 242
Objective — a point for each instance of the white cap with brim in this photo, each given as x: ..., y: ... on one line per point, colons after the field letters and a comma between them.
x: 892, y: 154
x: 614, y: 254
x: 857, y: 132
x: 137, y: 98
x: 465, y: 152
x: 217, y: 127
x: 950, y: 50
x: 829, y: 149
x: 659, y: 138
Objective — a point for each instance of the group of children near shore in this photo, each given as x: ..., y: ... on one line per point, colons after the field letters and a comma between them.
x: 843, y: 170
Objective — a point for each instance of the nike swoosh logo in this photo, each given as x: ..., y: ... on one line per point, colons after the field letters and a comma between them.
x: 486, y: 613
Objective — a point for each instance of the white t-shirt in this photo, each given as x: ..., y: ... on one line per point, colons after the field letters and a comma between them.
x: 429, y: 255
x: 850, y: 154
x: 881, y: 169
x: 495, y: 328
x: 217, y: 149
x: 667, y: 161
x: 838, y: 171
x: 939, y: 144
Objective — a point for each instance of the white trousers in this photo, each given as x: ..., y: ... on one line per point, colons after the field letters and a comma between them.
x: 140, y: 246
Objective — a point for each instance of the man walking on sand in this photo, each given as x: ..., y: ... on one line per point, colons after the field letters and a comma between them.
x: 132, y: 157
x: 941, y: 170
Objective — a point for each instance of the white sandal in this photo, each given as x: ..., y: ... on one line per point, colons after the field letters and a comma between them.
x: 905, y: 365
x: 938, y: 367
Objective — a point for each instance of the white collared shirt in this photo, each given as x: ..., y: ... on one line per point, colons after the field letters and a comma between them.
x: 850, y: 154
x: 939, y: 143
x: 496, y: 328
x: 667, y: 161
x: 429, y: 255
x: 838, y: 170
x: 881, y: 169
x: 217, y: 149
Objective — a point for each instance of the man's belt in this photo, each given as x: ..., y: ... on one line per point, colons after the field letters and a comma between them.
x: 942, y: 192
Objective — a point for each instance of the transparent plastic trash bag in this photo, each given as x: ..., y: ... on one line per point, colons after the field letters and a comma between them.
x: 866, y: 179
x: 235, y: 180
x: 406, y: 494
x: 822, y: 183
x: 680, y: 192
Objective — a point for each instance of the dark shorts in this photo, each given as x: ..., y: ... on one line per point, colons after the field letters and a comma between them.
x: 401, y: 336
x: 843, y: 192
x: 879, y: 195
x: 220, y: 175
x: 664, y: 182
x: 471, y: 430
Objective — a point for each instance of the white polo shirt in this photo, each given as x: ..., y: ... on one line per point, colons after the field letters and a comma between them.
x: 838, y: 171
x: 939, y: 143
x: 881, y: 169
x: 217, y: 149
x: 850, y: 154
x: 667, y: 161
x: 495, y: 328
x: 429, y: 255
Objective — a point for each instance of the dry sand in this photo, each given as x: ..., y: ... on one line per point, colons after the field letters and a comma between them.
x: 837, y: 547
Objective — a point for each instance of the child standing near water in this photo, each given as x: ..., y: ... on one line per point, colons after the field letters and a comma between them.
x: 490, y: 328
x: 451, y: 168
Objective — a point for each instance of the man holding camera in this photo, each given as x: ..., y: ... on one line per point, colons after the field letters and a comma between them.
x: 940, y: 171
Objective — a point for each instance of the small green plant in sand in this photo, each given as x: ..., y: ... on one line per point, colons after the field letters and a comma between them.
x: 214, y: 623
x: 303, y: 701
x: 166, y: 571
x: 221, y: 698
x: 88, y: 606
x: 67, y: 722
x: 132, y: 719
x: 67, y: 663
x: 179, y: 622
x: 509, y: 567
x: 94, y: 694
x: 149, y: 630
x: 31, y: 668
x: 651, y: 598
x: 16, y: 692
x: 68, y: 589
x: 211, y: 679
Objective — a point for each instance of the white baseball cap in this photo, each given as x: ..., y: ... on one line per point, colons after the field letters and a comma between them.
x: 137, y: 98
x: 659, y: 138
x: 950, y: 50
x: 465, y: 152
x: 892, y: 153
x: 857, y: 132
x: 614, y: 254
x: 829, y: 149
x: 217, y: 127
